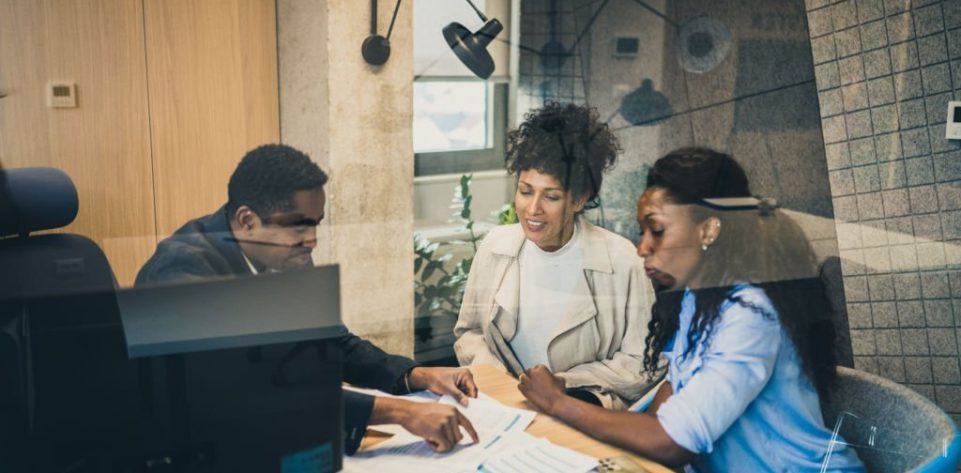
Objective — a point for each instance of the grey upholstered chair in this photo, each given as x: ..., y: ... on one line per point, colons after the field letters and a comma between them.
x: 892, y: 428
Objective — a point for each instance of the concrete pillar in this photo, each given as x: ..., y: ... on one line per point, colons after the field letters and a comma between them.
x: 355, y: 120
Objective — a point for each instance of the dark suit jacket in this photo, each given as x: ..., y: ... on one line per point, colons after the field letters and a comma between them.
x: 205, y: 247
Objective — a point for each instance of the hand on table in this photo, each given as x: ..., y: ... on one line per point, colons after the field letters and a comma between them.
x: 455, y: 382
x: 542, y: 388
x: 438, y: 424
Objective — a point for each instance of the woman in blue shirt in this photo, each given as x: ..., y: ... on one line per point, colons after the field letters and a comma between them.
x: 741, y: 320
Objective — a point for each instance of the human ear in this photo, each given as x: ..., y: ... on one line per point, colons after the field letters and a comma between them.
x: 246, y: 218
x: 579, y: 204
x: 710, y: 229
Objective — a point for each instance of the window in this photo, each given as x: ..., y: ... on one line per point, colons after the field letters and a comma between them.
x: 459, y: 120
x: 459, y: 126
x: 450, y: 116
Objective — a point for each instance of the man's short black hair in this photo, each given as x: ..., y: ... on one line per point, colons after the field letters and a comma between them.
x: 267, y: 178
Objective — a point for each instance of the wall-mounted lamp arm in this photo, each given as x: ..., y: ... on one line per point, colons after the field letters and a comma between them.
x: 482, y: 16
x: 393, y: 18
x: 376, y: 48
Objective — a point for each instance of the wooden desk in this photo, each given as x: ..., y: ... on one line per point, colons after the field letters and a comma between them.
x: 503, y: 387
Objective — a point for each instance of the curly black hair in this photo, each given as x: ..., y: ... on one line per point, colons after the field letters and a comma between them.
x: 765, y: 248
x: 268, y: 177
x: 567, y: 142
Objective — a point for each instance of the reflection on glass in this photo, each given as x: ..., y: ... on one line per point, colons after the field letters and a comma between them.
x: 880, y: 443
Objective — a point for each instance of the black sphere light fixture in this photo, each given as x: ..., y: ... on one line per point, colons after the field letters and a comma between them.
x: 376, y: 48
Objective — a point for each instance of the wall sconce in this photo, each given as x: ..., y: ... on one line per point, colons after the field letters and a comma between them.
x: 376, y: 48
x: 470, y: 48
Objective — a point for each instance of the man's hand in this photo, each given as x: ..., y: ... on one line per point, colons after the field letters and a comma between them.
x: 542, y: 388
x: 438, y: 424
x: 456, y: 382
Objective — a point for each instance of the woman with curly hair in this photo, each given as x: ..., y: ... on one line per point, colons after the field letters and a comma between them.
x: 553, y: 289
x: 741, y: 319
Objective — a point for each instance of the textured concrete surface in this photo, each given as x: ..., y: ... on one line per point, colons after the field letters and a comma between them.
x: 355, y: 120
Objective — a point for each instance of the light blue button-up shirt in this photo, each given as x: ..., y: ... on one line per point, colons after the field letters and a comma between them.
x: 742, y: 402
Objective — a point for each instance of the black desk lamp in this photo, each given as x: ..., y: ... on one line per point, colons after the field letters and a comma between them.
x: 471, y: 48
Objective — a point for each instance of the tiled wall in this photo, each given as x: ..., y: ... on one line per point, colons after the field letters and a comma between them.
x: 885, y: 70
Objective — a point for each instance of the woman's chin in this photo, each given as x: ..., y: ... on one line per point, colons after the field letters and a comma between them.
x: 665, y: 282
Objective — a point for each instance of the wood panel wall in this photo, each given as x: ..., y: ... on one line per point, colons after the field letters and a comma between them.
x: 171, y: 94
x: 213, y: 96
x: 104, y: 143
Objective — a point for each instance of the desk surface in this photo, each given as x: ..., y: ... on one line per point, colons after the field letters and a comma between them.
x: 503, y: 387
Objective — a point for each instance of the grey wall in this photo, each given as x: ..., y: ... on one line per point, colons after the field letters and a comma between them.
x: 885, y: 70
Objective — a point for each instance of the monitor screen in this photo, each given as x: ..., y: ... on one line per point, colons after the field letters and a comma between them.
x: 230, y: 375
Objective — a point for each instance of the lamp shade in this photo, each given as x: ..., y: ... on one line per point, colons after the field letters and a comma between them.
x: 471, y: 48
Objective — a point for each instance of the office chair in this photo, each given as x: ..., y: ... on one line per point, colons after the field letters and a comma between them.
x: 56, y: 294
x: 891, y: 427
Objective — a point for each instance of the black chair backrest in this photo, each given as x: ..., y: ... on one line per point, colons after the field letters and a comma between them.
x: 56, y: 298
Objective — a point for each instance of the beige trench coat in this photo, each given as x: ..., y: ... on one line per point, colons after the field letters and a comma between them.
x: 597, y: 344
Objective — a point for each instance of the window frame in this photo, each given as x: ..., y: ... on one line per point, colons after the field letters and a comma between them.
x: 472, y: 160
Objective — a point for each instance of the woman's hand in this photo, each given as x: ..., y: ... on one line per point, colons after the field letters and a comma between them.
x: 542, y: 388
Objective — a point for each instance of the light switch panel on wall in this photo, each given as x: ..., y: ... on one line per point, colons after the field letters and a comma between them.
x: 61, y: 94
x: 952, y: 130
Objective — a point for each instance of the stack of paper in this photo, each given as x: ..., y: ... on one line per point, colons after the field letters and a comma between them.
x: 503, y: 446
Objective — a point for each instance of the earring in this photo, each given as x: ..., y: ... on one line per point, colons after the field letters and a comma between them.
x: 703, y: 247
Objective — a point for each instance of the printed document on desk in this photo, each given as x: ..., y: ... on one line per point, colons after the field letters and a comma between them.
x: 484, y: 412
x: 538, y: 457
x: 515, y: 452
x: 410, y: 451
x: 487, y: 413
x: 503, y: 446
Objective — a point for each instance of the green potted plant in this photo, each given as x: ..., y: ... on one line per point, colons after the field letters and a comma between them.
x: 438, y: 287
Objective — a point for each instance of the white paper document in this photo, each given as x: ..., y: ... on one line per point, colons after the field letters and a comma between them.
x: 538, y: 457
x: 515, y: 452
x: 407, y: 449
x: 419, y: 396
x: 503, y: 445
x: 486, y: 413
x: 483, y: 412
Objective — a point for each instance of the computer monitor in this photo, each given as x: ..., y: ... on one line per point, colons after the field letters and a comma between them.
x: 228, y: 375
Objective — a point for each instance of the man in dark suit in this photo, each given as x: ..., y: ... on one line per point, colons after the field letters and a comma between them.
x: 275, y: 201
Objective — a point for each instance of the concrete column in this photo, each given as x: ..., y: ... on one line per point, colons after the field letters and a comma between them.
x: 356, y: 121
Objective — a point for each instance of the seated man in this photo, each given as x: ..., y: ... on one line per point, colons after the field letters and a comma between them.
x: 275, y: 201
